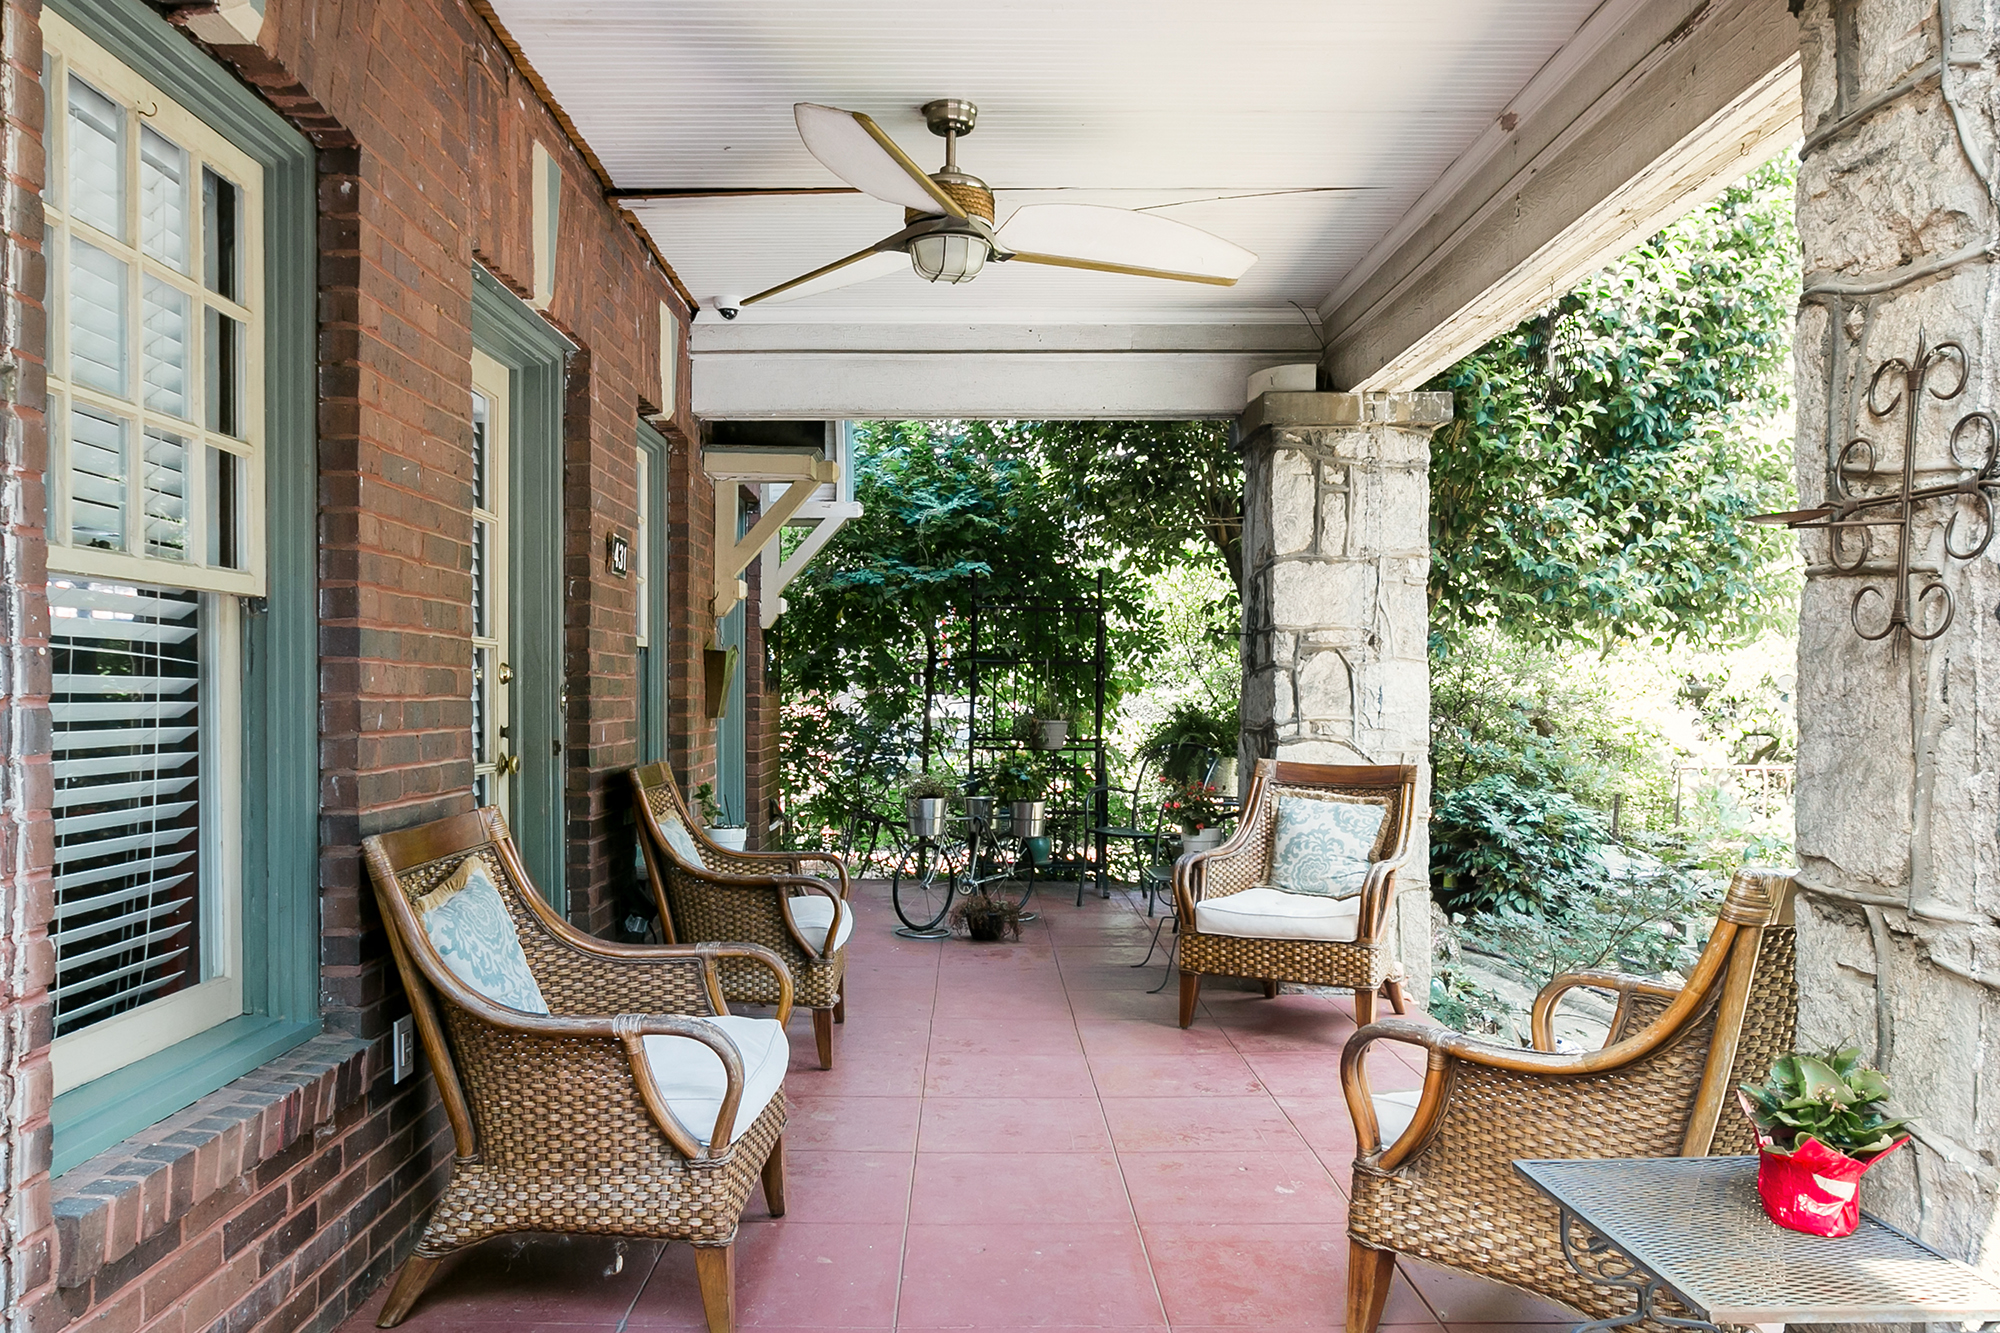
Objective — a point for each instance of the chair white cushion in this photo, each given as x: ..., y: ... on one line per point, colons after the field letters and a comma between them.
x: 811, y: 912
x: 692, y: 1080
x: 1394, y: 1111
x: 1272, y: 914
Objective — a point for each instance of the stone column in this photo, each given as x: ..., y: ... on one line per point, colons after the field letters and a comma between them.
x: 1336, y: 626
x: 1899, y: 739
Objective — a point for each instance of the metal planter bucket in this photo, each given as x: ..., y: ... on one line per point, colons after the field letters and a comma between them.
x: 926, y: 815
x: 1029, y: 817
x: 1052, y: 733
x: 979, y: 808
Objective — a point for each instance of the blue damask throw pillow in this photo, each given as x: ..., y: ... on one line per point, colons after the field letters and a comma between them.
x: 471, y: 931
x: 1322, y: 847
x: 681, y: 840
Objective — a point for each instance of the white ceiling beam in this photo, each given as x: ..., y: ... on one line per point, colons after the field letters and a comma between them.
x: 970, y: 385
x: 1654, y: 108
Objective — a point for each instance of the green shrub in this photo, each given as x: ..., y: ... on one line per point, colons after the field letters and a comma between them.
x: 1508, y: 845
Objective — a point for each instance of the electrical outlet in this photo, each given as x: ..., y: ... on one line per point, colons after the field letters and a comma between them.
x: 403, y: 1048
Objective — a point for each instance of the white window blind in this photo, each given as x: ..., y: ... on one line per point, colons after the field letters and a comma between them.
x: 126, y: 704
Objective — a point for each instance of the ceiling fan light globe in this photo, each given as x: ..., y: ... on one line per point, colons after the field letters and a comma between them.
x: 948, y: 257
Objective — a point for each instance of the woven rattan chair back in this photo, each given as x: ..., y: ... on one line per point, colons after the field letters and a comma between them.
x: 556, y: 1123
x: 1445, y: 1190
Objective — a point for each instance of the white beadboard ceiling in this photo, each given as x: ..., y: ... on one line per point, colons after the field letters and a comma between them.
x: 1300, y: 129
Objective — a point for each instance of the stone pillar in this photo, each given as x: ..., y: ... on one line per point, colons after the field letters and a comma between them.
x: 1899, y: 739
x: 1336, y: 626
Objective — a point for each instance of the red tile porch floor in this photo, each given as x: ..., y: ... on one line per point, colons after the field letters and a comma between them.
x: 1018, y: 1136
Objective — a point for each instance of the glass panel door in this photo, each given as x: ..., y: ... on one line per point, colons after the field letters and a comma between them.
x: 495, y: 757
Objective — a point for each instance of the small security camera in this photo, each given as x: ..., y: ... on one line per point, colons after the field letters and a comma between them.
x: 729, y: 307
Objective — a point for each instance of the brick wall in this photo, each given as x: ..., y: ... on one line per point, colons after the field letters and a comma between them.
x: 280, y: 1201
x: 27, y: 961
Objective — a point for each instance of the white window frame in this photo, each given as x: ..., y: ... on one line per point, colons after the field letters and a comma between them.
x: 69, y: 50
x: 111, y: 1044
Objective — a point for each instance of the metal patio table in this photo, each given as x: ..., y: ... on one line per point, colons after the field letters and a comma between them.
x: 1692, y: 1228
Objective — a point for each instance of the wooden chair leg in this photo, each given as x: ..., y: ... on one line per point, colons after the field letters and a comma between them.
x: 823, y: 1036
x: 774, y: 1178
x: 840, y: 1003
x: 1364, y: 1008
x: 1190, y: 992
x: 1393, y: 988
x: 715, y: 1269
x: 410, y: 1284
x: 1270, y: 988
x: 1369, y: 1273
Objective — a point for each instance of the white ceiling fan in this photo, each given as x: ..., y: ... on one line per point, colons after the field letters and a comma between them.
x: 948, y: 233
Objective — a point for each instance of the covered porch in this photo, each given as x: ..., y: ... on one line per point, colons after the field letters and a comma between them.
x: 1020, y: 1136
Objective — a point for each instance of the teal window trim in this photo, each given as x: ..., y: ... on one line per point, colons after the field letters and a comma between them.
x: 505, y: 328
x: 653, y: 663
x: 281, y: 638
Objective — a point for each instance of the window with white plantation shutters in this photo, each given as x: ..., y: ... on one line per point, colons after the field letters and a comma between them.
x: 156, y: 535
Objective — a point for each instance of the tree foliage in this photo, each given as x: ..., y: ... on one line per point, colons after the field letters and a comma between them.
x: 1154, y: 491
x: 1604, y: 455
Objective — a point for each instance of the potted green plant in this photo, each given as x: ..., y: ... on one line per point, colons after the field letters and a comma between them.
x: 728, y: 836
x: 987, y: 920
x: 1197, y: 807
x: 1821, y: 1123
x: 924, y: 800
x: 1019, y: 783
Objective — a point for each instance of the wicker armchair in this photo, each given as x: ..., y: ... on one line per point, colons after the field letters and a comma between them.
x: 1353, y: 951
x: 1433, y: 1173
x: 706, y: 892
x: 580, y: 1120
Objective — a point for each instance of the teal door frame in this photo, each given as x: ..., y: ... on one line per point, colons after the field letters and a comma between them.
x: 506, y: 329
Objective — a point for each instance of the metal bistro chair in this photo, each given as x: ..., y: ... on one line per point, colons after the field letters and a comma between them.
x: 1233, y: 922
x: 1433, y: 1170
x: 709, y: 893
x: 590, y: 1087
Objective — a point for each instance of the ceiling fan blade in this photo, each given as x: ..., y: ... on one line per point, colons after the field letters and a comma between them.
x: 1118, y: 240
x: 863, y: 266
x: 854, y: 148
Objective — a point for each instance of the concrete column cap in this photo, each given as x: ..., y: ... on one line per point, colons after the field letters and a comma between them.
x: 1282, y: 411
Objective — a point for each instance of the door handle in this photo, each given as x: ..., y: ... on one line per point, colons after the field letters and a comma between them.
x: 507, y: 763
x: 506, y: 674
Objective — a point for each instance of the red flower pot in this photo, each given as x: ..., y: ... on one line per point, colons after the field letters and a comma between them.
x: 1813, y: 1188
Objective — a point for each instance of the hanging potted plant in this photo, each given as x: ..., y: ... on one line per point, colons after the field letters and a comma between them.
x: 925, y: 798
x: 1821, y: 1124
x: 1020, y: 785
x: 1052, y: 723
x: 987, y: 920
x: 729, y: 837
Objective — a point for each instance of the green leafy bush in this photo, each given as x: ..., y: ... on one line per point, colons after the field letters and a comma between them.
x: 1192, y: 734
x: 1499, y: 843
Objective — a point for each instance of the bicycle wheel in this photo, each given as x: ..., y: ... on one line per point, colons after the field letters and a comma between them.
x: 1001, y: 876
x: 924, y: 883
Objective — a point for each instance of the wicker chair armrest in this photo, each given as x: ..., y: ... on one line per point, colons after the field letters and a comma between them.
x: 1622, y: 984
x: 1191, y: 870
x: 780, y: 887
x: 1378, y: 892
x: 840, y: 908
x: 633, y: 1029
x: 616, y: 973
x: 774, y: 863
x: 1445, y: 1046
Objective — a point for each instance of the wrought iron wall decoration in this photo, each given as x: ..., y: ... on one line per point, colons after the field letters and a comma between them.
x: 1971, y: 493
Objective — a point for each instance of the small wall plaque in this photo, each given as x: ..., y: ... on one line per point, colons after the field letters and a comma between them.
x: 618, y: 553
